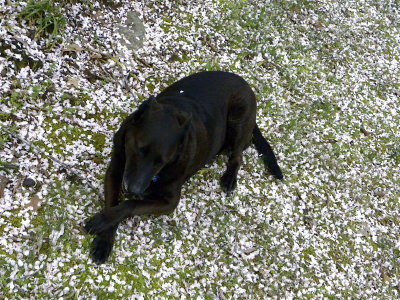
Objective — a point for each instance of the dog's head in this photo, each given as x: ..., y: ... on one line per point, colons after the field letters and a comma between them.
x: 151, y: 139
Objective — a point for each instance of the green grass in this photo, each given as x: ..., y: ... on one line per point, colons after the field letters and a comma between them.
x: 7, y: 167
x: 46, y: 17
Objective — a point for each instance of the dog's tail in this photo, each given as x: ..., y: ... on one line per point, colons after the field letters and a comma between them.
x: 266, y: 152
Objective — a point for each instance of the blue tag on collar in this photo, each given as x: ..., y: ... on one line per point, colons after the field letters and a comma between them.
x: 155, y: 178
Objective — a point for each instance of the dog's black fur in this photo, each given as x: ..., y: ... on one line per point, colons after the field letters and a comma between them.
x: 167, y: 140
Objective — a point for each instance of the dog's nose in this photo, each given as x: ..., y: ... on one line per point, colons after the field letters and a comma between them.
x: 134, y: 191
x: 133, y: 194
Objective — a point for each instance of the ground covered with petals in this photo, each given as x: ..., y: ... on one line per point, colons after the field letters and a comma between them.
x: 326, y: 76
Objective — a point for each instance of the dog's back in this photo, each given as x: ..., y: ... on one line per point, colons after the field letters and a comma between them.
x: 217, y: 100
x: 211, y: 90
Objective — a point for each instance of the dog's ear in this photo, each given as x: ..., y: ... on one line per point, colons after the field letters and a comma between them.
x: 183, y: 118
x: 119, y: 137
x: 153, y: 104
x: 145, y: 105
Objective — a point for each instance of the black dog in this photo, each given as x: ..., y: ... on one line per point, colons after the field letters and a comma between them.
x: 167, y: 140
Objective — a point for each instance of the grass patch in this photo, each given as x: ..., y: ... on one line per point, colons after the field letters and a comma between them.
x: 7, y: 167
x: 395, y: 154
x: 46, y: 17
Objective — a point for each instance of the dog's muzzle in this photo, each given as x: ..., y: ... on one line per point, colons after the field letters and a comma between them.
x: 133, y: 191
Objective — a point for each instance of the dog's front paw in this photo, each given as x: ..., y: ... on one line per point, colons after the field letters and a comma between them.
x: 101, y: 249
x: 99, y: 223
x: 228, y: 183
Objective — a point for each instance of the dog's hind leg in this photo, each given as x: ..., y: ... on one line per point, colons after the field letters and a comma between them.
x: 238, y: 139
x: 229, y: 178
x: 241, y: 120
x: 237, y: 144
